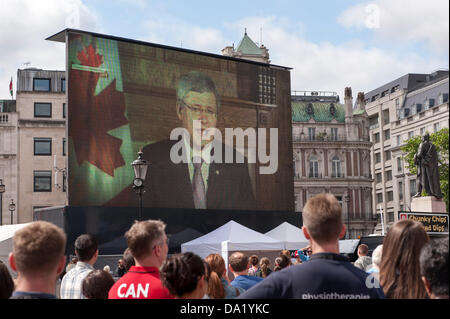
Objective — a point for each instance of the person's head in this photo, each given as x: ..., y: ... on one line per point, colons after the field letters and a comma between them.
x: 376, y: 256
x: 217, y: 267
x: 147, y: 240
x: 264, y: 264
x: 322, y: 219
x: 434, y: 267
x: 281, y: 262
x: 184, y: 276
x: 197, y: 99
x: 128, y: 259
x: 400, y: 270
x: 308, y: 251
x: 86, y: 248
x: 239, y: 262
x: 38, y: 251
x: 363, y: 250
x: 426, y: 137
x: 74, y: 260
x: 253, y: 260
x: 97, y: 284
x: 6, y: 282
x: 121, y: 264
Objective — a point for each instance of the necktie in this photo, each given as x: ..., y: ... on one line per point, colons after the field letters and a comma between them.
x: 199, y: 186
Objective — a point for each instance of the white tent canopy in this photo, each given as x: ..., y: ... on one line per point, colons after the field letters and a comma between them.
x: 231, y: 237
x: 6, y: 234
x: 290, y: 235
x: 348, y: 246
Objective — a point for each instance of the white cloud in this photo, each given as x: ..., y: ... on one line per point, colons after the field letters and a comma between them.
x: 25, y: 24
x: 403, y: 21
x: 330, y: 67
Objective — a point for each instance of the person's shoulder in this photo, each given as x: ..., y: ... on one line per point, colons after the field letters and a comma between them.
x: 158, y: 151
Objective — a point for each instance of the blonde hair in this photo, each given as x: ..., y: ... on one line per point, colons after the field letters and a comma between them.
x: 38, y: 247
x: 322, y: 216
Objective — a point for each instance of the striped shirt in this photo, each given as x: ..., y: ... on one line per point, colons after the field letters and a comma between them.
x: 72, y: 281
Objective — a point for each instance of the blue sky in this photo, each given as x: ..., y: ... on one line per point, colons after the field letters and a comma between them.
x: 329, y: 44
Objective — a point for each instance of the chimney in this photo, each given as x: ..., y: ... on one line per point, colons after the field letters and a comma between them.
x: 348, y: 102
x: 360, y: 101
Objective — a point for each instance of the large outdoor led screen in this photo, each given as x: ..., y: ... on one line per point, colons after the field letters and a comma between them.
x: 215, y: 131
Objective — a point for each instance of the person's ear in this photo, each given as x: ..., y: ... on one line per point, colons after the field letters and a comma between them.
x: 179, y: 108
x: 306, y: 233
x: 12, y: 261
x: 343, y: 231
x: 61, y: 264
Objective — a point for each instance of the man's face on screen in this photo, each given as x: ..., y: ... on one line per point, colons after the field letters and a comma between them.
x: 201, y: 107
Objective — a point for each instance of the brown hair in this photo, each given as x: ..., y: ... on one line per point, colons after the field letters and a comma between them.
x: 400, y: 267
x: 96, y: 284
x: 38, y: 247
x: 322, y: 217
x: 6, y: 282
x: 238, y: 261
x: 142, y: 235
x: 254, y: 260
x: 217, y: 265
x: 363, y: 249
x: 264, y: 264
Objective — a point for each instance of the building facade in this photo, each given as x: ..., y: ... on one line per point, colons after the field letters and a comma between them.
x: 248, y: 50
x: 331, y: 153
x: 8, y: 158
x: 406, y: 107
x: 41, y: 141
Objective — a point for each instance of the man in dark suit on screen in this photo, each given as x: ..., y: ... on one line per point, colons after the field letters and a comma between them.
x: 191, y: 169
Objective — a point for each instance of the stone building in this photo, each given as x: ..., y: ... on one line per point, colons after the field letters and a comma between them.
x: 408, y: 106
x: 332, y: 154
x: 8, y: 157
x: 247, y: 49
x: 41, y: 140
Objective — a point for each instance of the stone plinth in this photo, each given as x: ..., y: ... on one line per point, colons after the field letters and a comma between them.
x: 428, y: 204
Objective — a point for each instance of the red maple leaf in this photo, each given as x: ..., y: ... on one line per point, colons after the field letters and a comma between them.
x: 90, y: 118
x: 88, y: 57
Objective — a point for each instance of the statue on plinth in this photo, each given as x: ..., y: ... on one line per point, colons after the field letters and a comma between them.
x: 426, y: 160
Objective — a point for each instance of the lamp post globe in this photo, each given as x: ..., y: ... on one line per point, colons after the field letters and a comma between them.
x: 12, y: 208
x: 140, y: 173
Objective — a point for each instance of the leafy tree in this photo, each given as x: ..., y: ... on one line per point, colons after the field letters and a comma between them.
x: 441, y: 140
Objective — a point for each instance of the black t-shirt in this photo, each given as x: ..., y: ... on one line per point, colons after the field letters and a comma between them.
x: 324, y: 276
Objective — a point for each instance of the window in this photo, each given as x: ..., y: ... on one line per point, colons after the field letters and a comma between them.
x: 42, y: 181
x: 64, y: 110
x: 386, y: 117
x: 390, y: 196
x: 63, y: 85
x: 387, y: 134
x: 377, y: 157
x: 400, y: 190
x: 312, y: 133
x: 399, y: 164
x: 64, y: 146
x: 390, y: 217
x: 443, y: 97
x: 334, y: 133
x: 436, y: 127
x: 42, y: 85
x: 397, y: 103
x: 313, y: 167
x: 378, y: 177
x: 336, y: 167
x: 376, y: 137
x: 412, y: 187
x: 388, y: 176
x: 387, y: 155
x: 399, y: 140
x: 42, y: 109
x: 42, y: 146
x: 373, y: 122
x: 379, y: 198
x: 422, y: 131
x: 410, y: 134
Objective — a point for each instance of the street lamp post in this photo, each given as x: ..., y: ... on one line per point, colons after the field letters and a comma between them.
x: 347, y: 200
x: 2, y: 190
x: 12, y: 208
x: 140, y: 172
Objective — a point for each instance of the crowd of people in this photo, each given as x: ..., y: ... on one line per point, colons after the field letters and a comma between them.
x: 409, y: 265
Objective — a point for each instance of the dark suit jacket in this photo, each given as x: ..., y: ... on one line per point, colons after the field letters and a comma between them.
x: 168, y: 185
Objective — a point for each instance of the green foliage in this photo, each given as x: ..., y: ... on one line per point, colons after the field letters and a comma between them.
x: 441, y: 140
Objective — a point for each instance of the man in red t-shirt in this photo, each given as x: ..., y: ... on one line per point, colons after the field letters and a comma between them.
x: 147, y: 242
